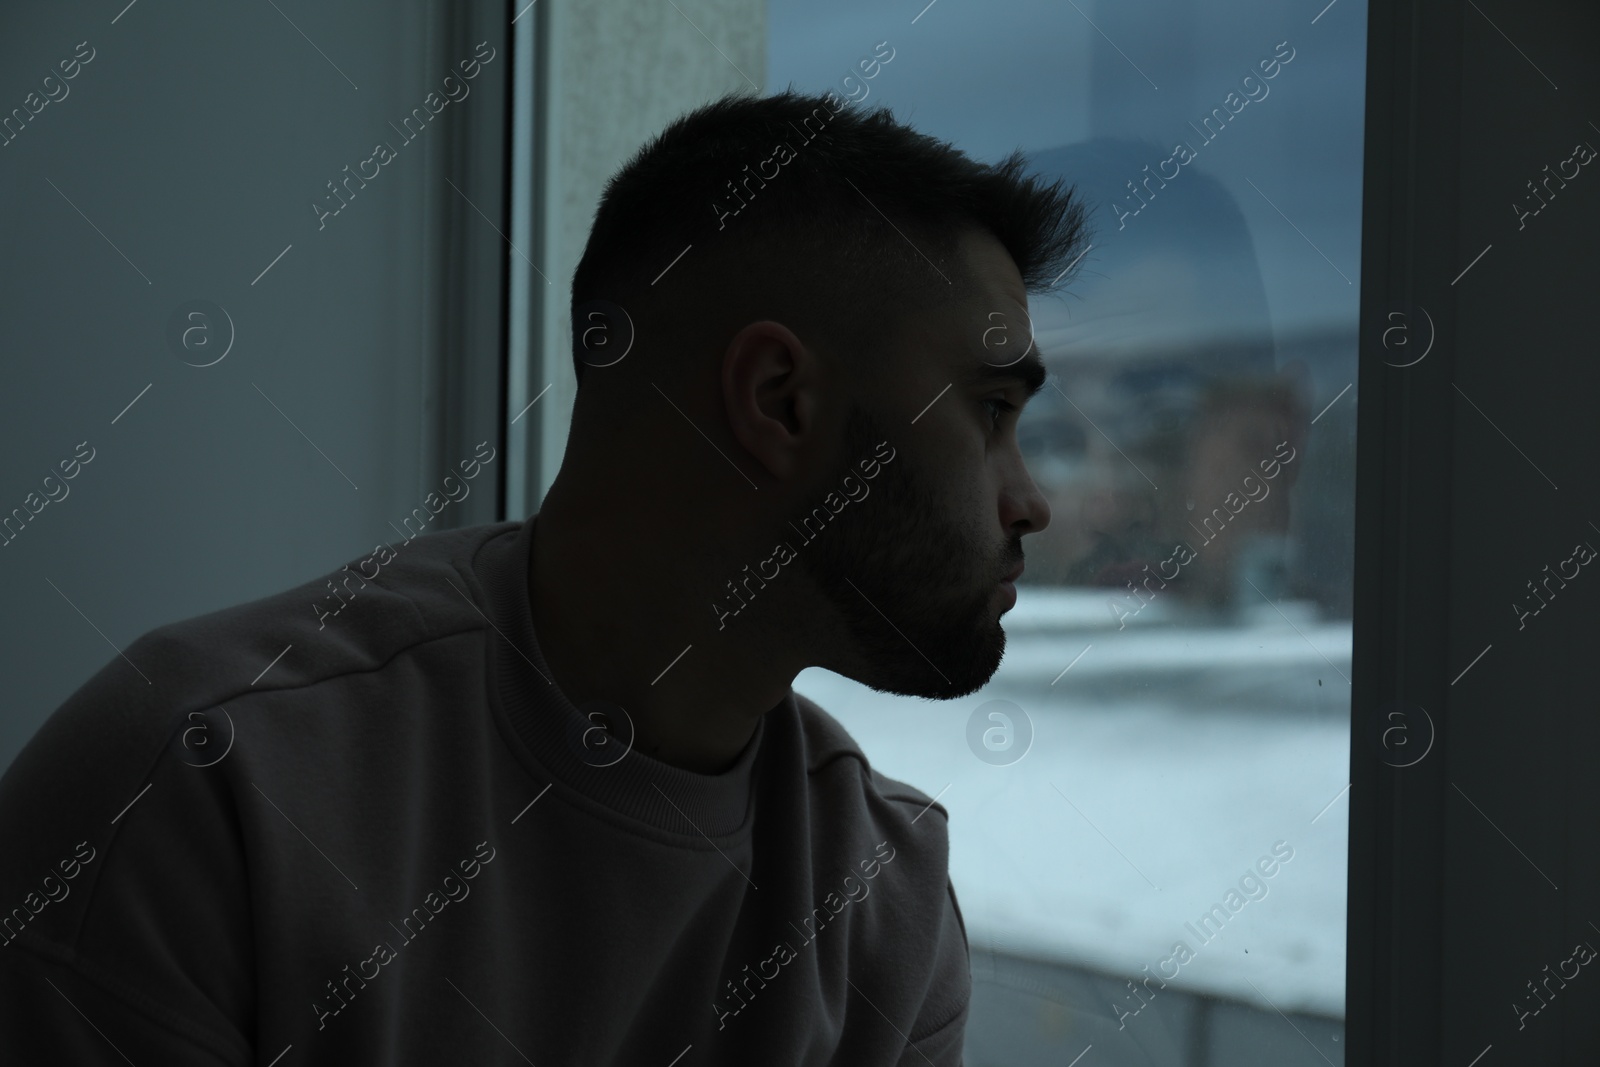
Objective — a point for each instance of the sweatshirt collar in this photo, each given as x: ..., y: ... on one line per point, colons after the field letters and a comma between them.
x: 558, y: 743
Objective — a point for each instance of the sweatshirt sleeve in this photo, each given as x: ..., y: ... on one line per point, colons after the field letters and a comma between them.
x: 55, y: 1008
x: 125, y: 909
x: 941, y: 1028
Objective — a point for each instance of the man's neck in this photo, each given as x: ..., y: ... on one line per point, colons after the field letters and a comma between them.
x: 630, y: 622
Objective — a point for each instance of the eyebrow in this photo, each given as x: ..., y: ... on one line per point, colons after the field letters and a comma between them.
x: 1029, y: 371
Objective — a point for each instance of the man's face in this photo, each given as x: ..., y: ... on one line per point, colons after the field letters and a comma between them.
x: 915, y: 568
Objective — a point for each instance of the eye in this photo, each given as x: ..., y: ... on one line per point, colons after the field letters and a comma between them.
x: 998, y: 407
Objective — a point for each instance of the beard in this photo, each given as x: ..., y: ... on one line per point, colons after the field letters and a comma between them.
x: 913, y: 587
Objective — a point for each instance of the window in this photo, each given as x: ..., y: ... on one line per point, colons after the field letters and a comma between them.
x: 1162, y: 759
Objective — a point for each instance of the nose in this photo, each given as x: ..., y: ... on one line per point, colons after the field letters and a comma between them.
x: 1023, y: 508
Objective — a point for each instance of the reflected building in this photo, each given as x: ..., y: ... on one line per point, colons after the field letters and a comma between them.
x: 1175, y: 434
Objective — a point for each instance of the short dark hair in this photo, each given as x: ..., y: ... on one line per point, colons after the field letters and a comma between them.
x: 862, y: 215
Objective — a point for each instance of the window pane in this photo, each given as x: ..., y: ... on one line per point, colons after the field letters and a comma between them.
x: 1148, y: 807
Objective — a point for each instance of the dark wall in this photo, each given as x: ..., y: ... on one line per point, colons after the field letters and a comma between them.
x: 354, y: 357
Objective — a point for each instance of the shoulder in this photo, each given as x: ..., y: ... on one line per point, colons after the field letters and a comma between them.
x: 897, y: 833
x: 827, y: 742
x: 896, y: 815
x: 354, y: 615
x: 160, y: 693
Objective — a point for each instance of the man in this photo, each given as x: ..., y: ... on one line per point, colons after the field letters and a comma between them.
x: 541, y: 791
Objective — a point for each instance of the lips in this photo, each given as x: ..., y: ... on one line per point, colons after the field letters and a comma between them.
x: 1014, y: 575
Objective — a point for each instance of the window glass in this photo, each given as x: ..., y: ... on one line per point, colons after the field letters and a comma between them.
x: 1148, y: 802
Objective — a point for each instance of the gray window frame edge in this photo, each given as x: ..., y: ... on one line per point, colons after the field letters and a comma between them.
x: 536, y: 335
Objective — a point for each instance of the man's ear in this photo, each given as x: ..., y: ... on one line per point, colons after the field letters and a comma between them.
x: 770, y: 390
